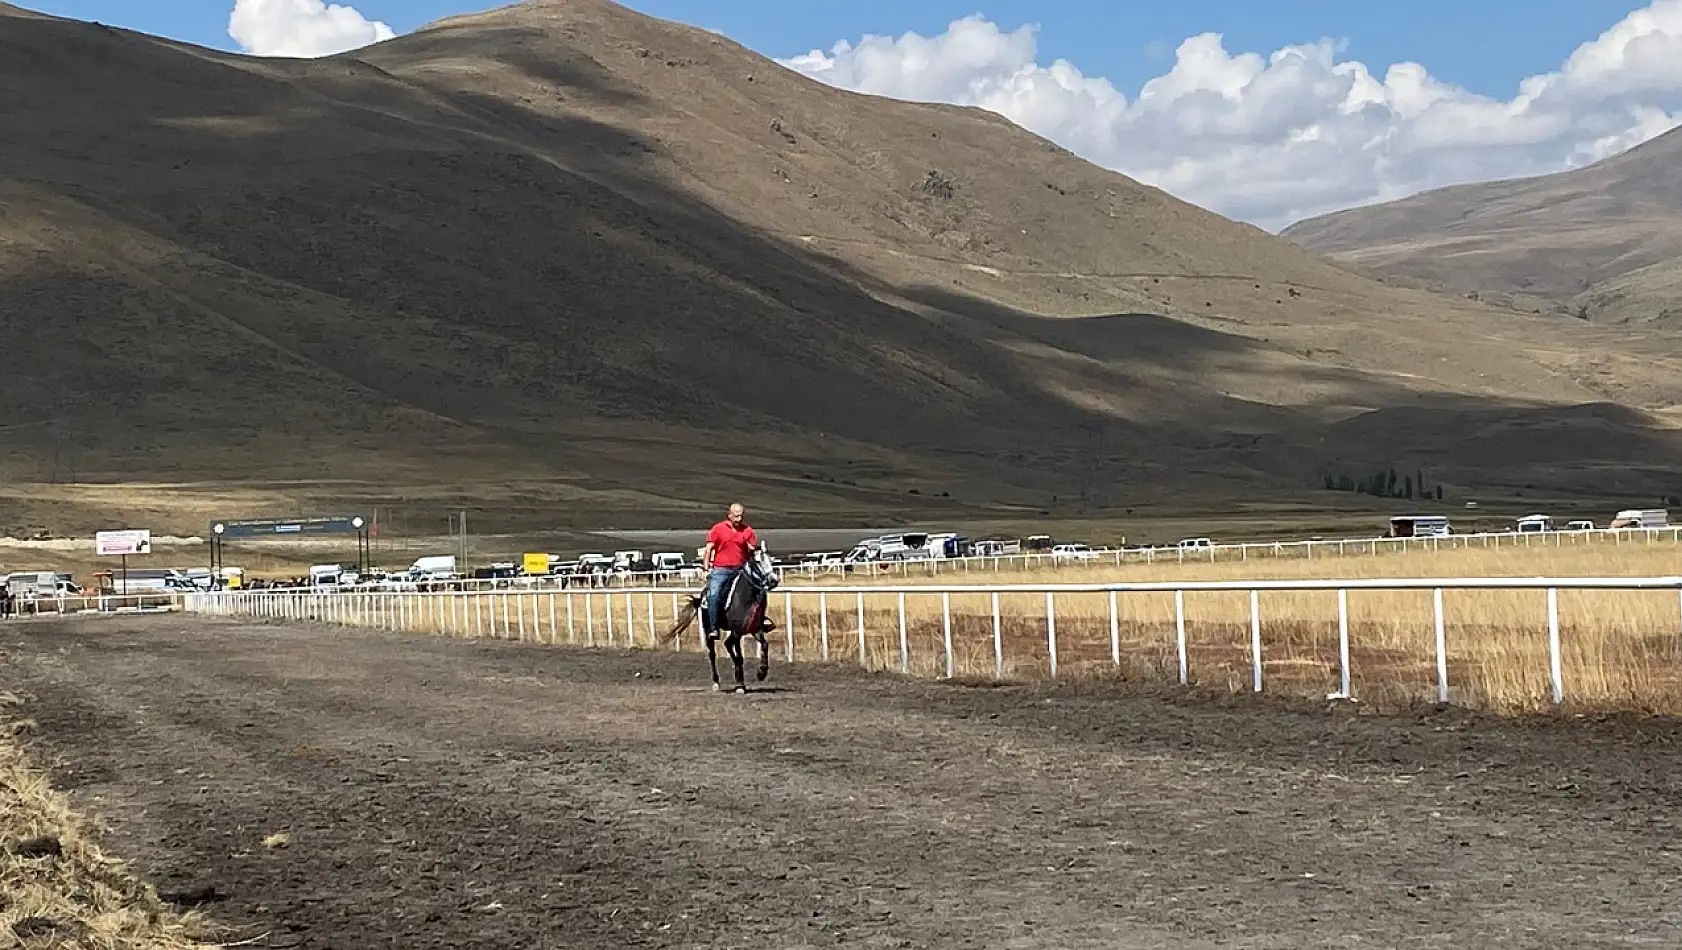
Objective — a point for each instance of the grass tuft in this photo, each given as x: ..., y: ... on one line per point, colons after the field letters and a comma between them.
x: 57, y: 888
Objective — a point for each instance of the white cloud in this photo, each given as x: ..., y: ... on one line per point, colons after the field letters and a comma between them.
x: 304, y: 28
x: 1296, y: 133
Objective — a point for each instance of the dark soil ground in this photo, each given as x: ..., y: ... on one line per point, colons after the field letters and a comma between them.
x: 453, y: 793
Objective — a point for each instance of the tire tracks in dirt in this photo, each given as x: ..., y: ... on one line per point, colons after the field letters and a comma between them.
x: 491, y: 794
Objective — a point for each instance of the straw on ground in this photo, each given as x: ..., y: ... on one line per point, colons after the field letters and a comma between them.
x: 60, y: 889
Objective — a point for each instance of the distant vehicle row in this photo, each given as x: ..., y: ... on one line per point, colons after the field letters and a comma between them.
x: 1438, y: 526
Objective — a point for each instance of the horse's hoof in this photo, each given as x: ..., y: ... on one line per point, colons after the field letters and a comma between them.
x: 741, y: 689
x: 760, y: 676
x: 717, y: 687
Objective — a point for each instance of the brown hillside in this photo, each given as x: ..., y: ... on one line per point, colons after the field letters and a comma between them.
x: 566, y: 241
x: 1601, y: 241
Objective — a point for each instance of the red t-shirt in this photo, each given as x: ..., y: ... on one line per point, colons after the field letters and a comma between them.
x: 730, y: 544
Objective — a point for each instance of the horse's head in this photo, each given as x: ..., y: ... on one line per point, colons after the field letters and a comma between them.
x: 762, y: 569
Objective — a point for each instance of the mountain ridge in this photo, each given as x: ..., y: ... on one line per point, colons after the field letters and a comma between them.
x: 568, y: 240
x: 1574, y: 242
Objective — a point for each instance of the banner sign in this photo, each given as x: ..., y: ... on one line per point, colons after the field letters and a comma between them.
x: 122, y: 543
x: 283, y: 527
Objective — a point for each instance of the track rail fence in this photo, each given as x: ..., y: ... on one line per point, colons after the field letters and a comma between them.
x: 93, y: 603
x: 1097, y: 557
x: 1308, y: 635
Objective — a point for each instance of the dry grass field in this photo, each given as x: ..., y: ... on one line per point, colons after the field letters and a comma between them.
x: 1620, y: 650
x: 57, y: 887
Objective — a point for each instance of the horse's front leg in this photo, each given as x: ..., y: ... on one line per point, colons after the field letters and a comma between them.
x: 712, y: 659
x: 734, y: 645
x: 764, y: 656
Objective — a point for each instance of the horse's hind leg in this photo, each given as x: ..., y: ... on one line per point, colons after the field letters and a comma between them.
x: 764, y: 657
x: 712, y: 658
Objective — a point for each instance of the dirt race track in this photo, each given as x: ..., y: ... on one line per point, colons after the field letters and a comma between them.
x: 443, y: 793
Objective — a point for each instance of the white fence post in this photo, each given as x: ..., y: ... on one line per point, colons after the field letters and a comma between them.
x: 998, y: 641
x: 1343, y: 643
x: 904, y: 641
x: 1255, y: 641
x: 1442, y: 645
x: 823, y: 626
x: 1555, y: 673
x: 864, y: 657
x: 946, y: 619
x: 788, y: 623
x: 1180, y: 632
x: 677, y: 642
x: 1051, y: 630
x: 1115, y: 632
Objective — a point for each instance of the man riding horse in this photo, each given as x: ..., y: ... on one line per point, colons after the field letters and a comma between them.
x: 730, y: 544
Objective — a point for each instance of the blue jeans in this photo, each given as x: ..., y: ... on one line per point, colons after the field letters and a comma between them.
x: 716, y: 581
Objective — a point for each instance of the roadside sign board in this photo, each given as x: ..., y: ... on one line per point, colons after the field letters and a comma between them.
x: 536, y: 564
x: 122, y: 543
x: 282, y: 527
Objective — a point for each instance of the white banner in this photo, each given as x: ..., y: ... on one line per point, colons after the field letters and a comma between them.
x: 114, y: 543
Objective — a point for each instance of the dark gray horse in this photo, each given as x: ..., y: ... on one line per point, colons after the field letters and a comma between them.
x: 742, y: 612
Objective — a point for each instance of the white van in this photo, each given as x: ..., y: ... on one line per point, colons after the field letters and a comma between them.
x: 438, y: 567
x: 41, y: 585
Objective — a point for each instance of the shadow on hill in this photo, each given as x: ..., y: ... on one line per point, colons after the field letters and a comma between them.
x: 464, y: 257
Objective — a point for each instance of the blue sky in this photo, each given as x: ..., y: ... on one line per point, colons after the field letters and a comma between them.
x: 1486, y: 46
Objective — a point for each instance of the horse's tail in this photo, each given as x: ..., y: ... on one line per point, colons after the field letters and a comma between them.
x: 684, y: 618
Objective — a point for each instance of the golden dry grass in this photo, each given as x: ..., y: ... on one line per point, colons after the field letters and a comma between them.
x: 78, y: 897
x: 1619, y: 649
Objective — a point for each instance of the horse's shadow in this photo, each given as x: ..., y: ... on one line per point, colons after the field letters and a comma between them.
x: 751, y: 690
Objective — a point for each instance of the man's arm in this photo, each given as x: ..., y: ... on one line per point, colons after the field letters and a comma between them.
x: 710, y: 550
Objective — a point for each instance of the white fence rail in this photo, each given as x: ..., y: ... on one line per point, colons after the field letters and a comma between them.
x: 1115, y: 557
x: 638, y: 617
x: 91, y: 603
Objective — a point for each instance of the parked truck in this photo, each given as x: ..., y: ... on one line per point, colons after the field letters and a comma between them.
x: 1641, y: 518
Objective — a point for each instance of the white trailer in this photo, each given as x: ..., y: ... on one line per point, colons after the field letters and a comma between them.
x: 1641, y: 518
x: 1420, y: 526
